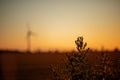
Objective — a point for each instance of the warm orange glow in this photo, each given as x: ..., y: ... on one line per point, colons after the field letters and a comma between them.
x: 57, y: 24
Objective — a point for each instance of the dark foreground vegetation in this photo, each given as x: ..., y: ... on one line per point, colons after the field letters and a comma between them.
x: 77, y: 67
x: 92, y: 65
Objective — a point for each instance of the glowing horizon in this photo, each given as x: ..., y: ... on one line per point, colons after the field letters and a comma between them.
x: 57, y: 24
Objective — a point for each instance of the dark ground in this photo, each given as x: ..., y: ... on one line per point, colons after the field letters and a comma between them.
x: 24, y: 66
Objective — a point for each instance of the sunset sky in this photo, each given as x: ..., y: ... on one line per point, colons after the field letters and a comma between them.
x: 57, y: 23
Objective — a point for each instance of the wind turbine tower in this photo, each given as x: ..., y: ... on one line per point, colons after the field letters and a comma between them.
x: 29, y: 34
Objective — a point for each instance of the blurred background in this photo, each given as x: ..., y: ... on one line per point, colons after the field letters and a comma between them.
x: 57, y: 23
x: 46, y: 27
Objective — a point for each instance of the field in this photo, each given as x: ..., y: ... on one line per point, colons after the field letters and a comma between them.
x: 24, y: 66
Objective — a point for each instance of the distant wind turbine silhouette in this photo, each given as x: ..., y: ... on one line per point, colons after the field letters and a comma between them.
x: 29, y: 34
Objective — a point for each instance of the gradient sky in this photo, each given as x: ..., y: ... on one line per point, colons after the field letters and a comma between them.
x: 57, y: 23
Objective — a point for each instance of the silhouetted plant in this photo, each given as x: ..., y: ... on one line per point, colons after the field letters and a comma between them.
x: 76, y: 66
x: 103, y: 69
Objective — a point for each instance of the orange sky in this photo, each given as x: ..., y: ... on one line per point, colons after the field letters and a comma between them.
x: 58, y: 23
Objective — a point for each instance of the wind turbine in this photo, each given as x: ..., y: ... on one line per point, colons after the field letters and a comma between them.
x: 29, y: 34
